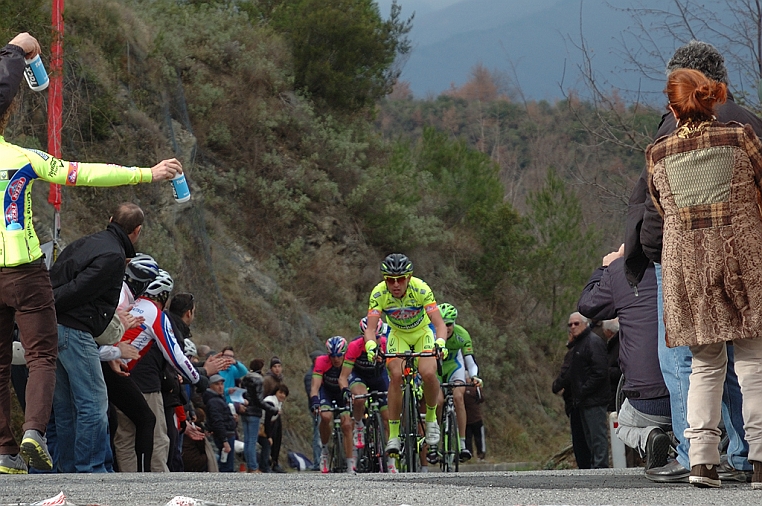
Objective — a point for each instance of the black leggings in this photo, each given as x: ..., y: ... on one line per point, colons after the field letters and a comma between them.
x: 125, y: 395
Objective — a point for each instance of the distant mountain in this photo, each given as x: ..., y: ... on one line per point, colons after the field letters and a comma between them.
x: 531, y: 41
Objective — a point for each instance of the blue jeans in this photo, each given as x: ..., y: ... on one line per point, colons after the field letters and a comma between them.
x: 250, y: 433
x: 676, y: 369
x: 80, y: 404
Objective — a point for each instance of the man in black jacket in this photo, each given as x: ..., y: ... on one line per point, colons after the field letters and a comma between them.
x: 253, y: 382
x: 221, y: 422
x: 586, y: 376
x: 645, y: 414
x: 643, y: 244
x: 87, y: 280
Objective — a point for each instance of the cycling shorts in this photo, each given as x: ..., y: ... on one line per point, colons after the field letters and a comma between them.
x: 454, y: 370
x: 418, y: 341
x: 378, y: 383
x: 328, y: 396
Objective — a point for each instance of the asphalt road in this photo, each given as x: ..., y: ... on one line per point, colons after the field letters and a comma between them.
x: 609, y: 486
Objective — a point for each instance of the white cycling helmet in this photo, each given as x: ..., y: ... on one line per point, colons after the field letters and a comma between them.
x: 160, y: 287
x: 190, y: 348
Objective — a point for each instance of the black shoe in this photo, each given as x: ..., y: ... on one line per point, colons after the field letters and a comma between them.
x: 465, y: 455
x: 673, y: 472
x: 726, y: 472
x: 657, y: 448
x: 278, y: 469
x: 705, y: 476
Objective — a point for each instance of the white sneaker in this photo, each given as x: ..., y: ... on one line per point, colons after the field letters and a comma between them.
x: 394, y: 446
x: 324, y: 463
x: 359, y: 438
x: 432, y: 433
x: 391, y: 466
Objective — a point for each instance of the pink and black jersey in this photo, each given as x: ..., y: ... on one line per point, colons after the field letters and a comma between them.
x: 158, y: 328
x: 357, y: 358
x: 330, y: 374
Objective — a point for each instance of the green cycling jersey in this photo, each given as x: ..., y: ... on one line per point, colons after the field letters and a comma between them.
x: 460, y: 340
x: 19, y: 169
x: 407, y: 314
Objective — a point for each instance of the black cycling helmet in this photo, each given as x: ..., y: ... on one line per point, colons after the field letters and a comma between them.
x: 396, y: 264
x: 139, y: 273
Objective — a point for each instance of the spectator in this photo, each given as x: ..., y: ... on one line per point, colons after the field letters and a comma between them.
x: 315, y: 425
x: 475, y: 438
x: 203, y: 352
x: 181, y: 313
x: 587, y: 378
x: 273, y: 379
x: 645, y: 414
x: 123, y: 393
x: 253, y: 382
x: 643, y: 243
x: 87, y: 282
x: 611, y: 336
x: 579, y: 442
x: 712, y: 285
x: 266, y: 439
x: 221, y: 422
x: 32, y: 306
x: 233, y: 373
x: 156, y: 344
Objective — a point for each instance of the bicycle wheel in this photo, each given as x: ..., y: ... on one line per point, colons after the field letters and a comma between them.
x: 410, y: 431
x: 366, y: 456
x: 379, y: 444
x: 454, y: 440
x: 338, y: 462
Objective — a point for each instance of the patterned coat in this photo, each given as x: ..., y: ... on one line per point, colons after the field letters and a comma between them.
x: 705, y: 181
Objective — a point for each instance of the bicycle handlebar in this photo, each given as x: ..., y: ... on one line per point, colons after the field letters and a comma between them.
x: 374, y: 393
x: 409, y: 355
x: 454, y: 385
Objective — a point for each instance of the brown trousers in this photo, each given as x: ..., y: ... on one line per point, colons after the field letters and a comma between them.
x: 26, y: 294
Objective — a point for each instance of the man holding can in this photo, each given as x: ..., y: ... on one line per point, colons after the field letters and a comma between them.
x: 25, y: 290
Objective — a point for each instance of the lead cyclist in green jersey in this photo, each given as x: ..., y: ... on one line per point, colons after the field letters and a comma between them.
x: 460, y: 359
x: 412, y: 313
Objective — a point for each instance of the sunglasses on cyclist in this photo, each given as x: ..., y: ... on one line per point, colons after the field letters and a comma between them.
x: 395, y: 280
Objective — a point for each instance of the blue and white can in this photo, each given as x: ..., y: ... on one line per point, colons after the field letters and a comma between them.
x: 36, y: 75
x: 180, y: 188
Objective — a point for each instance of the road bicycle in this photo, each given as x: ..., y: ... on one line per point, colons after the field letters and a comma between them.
x: 337, y: 462
x: 411, y: 433
x: 449, y: 457
x: 372, y: 458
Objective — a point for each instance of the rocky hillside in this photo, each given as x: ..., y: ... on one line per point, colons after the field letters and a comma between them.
x: 297, y: 196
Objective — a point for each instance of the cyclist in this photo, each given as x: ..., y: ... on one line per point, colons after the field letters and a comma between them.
x: 412, y: 313
x: 460, y: 357
x: 157, y: 327
x: 325, y: 390
x: 358, y: 375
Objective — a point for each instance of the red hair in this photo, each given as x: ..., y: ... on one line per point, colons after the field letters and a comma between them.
x: 693, y: 96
